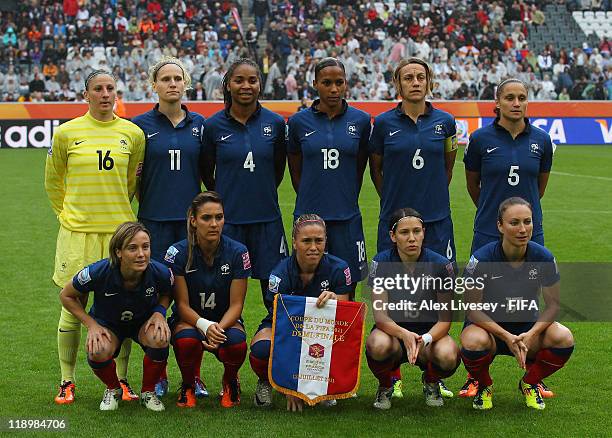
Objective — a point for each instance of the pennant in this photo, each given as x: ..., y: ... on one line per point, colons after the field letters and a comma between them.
x: 316, y: 352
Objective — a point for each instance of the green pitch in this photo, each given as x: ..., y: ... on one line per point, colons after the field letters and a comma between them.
x: 578, y: 224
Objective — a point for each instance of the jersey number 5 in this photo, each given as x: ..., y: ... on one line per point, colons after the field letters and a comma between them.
x: 513, y: 176
x: 106, y: 162
x: 207, y: 303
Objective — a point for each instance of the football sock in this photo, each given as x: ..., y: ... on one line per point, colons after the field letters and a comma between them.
x: 259, y: 357
x: 106, y: 371
x: 396, y: 374
x: 123, y: 358
x: 232, y: 353
x: 433, y: 372
x: 547, y: 362
x: 477, y: 364
x: 382, y: 370
x: 187, y: 349
x: 153, y: 363
x: 68, y: 340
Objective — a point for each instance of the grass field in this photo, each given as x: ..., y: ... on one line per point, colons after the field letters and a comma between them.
x: 578, y: 226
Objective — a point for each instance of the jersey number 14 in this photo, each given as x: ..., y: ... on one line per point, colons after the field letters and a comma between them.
x: 207, y: 303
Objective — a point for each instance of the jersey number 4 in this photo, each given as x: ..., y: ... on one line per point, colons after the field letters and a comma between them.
x: 207, y: 303
x: 249, y: 163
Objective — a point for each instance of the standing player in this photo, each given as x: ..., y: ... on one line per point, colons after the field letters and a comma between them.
x: 90, y: 179
x: 211, y: 283
x: 131, y: 295
x: 507, y: 158
x: 417, y: 337
x: 412, y: 153
x: 170, y: 175
x: 515, y: 270
x: 328, y: 153
x: 309, y: 272
x: 245, y: 154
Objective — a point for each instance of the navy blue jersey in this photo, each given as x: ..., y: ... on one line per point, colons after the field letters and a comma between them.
x: 414, y: 169
x: 430, y: 264
x: 170, y: 175
x: 209, y: 286
x: 508, y: 167
x: 504, y: 284
x: 112, y: 302
x: 332, y: 274
x: 329, y: 148
x: 244, y: 163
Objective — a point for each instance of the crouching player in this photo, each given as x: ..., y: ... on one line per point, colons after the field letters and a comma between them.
x: 212, y: 271
x: 523, y: 268
x: 131, y: 294
x: 309, y: 272
x: 417, y: 336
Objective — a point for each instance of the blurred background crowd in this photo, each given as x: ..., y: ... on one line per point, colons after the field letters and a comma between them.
x: 561, y: 49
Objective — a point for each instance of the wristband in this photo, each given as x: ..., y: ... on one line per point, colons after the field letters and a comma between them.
x: 427, y: 338
x: 203, y: 324
x: 161, y: 309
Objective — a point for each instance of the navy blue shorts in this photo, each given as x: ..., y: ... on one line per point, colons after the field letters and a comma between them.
x: 481, y: 240
x: 123, y: 331
x: 439, y: 237
x: 514, y: 328
x: 164, y: 234
x: 265, y: 241
x: 345, y: 240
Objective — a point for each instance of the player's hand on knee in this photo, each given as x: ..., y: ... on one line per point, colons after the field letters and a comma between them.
x: 294, y: 404
x: 98, y: 339
x: 325, y: 296
x: 215, y: 334
x: 160, y: 330
x: 527, y: 338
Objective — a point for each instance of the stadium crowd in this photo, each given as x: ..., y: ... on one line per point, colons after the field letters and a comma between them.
x: 47, y: 47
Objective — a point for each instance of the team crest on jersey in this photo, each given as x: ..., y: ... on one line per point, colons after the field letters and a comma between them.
x: 351, y: 128
x: 84, y: 277
x: 50, y: 150
x: 324, y: 284
x: 439, y: 129
x: 347, y: 276
x: 225, y: 269
x: 195, y: 131
x: 149, y: 291
x: 246, y: 261
x: 171, y: 254
x: 471, y: 265
x: 534, y: 148
x: 266, y: 130
x: 274, y: 283
x: 533, y: 274
x: 450, y: 269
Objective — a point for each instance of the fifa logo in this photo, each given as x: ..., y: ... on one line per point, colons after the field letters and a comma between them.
x: 438, y: 129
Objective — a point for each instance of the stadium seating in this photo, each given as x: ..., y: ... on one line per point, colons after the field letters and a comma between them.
x: 294, y: 36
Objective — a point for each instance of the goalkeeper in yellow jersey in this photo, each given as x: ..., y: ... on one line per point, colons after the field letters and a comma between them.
x: 90, y: 179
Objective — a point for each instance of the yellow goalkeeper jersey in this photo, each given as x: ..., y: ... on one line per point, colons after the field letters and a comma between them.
x: 91, y: 173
